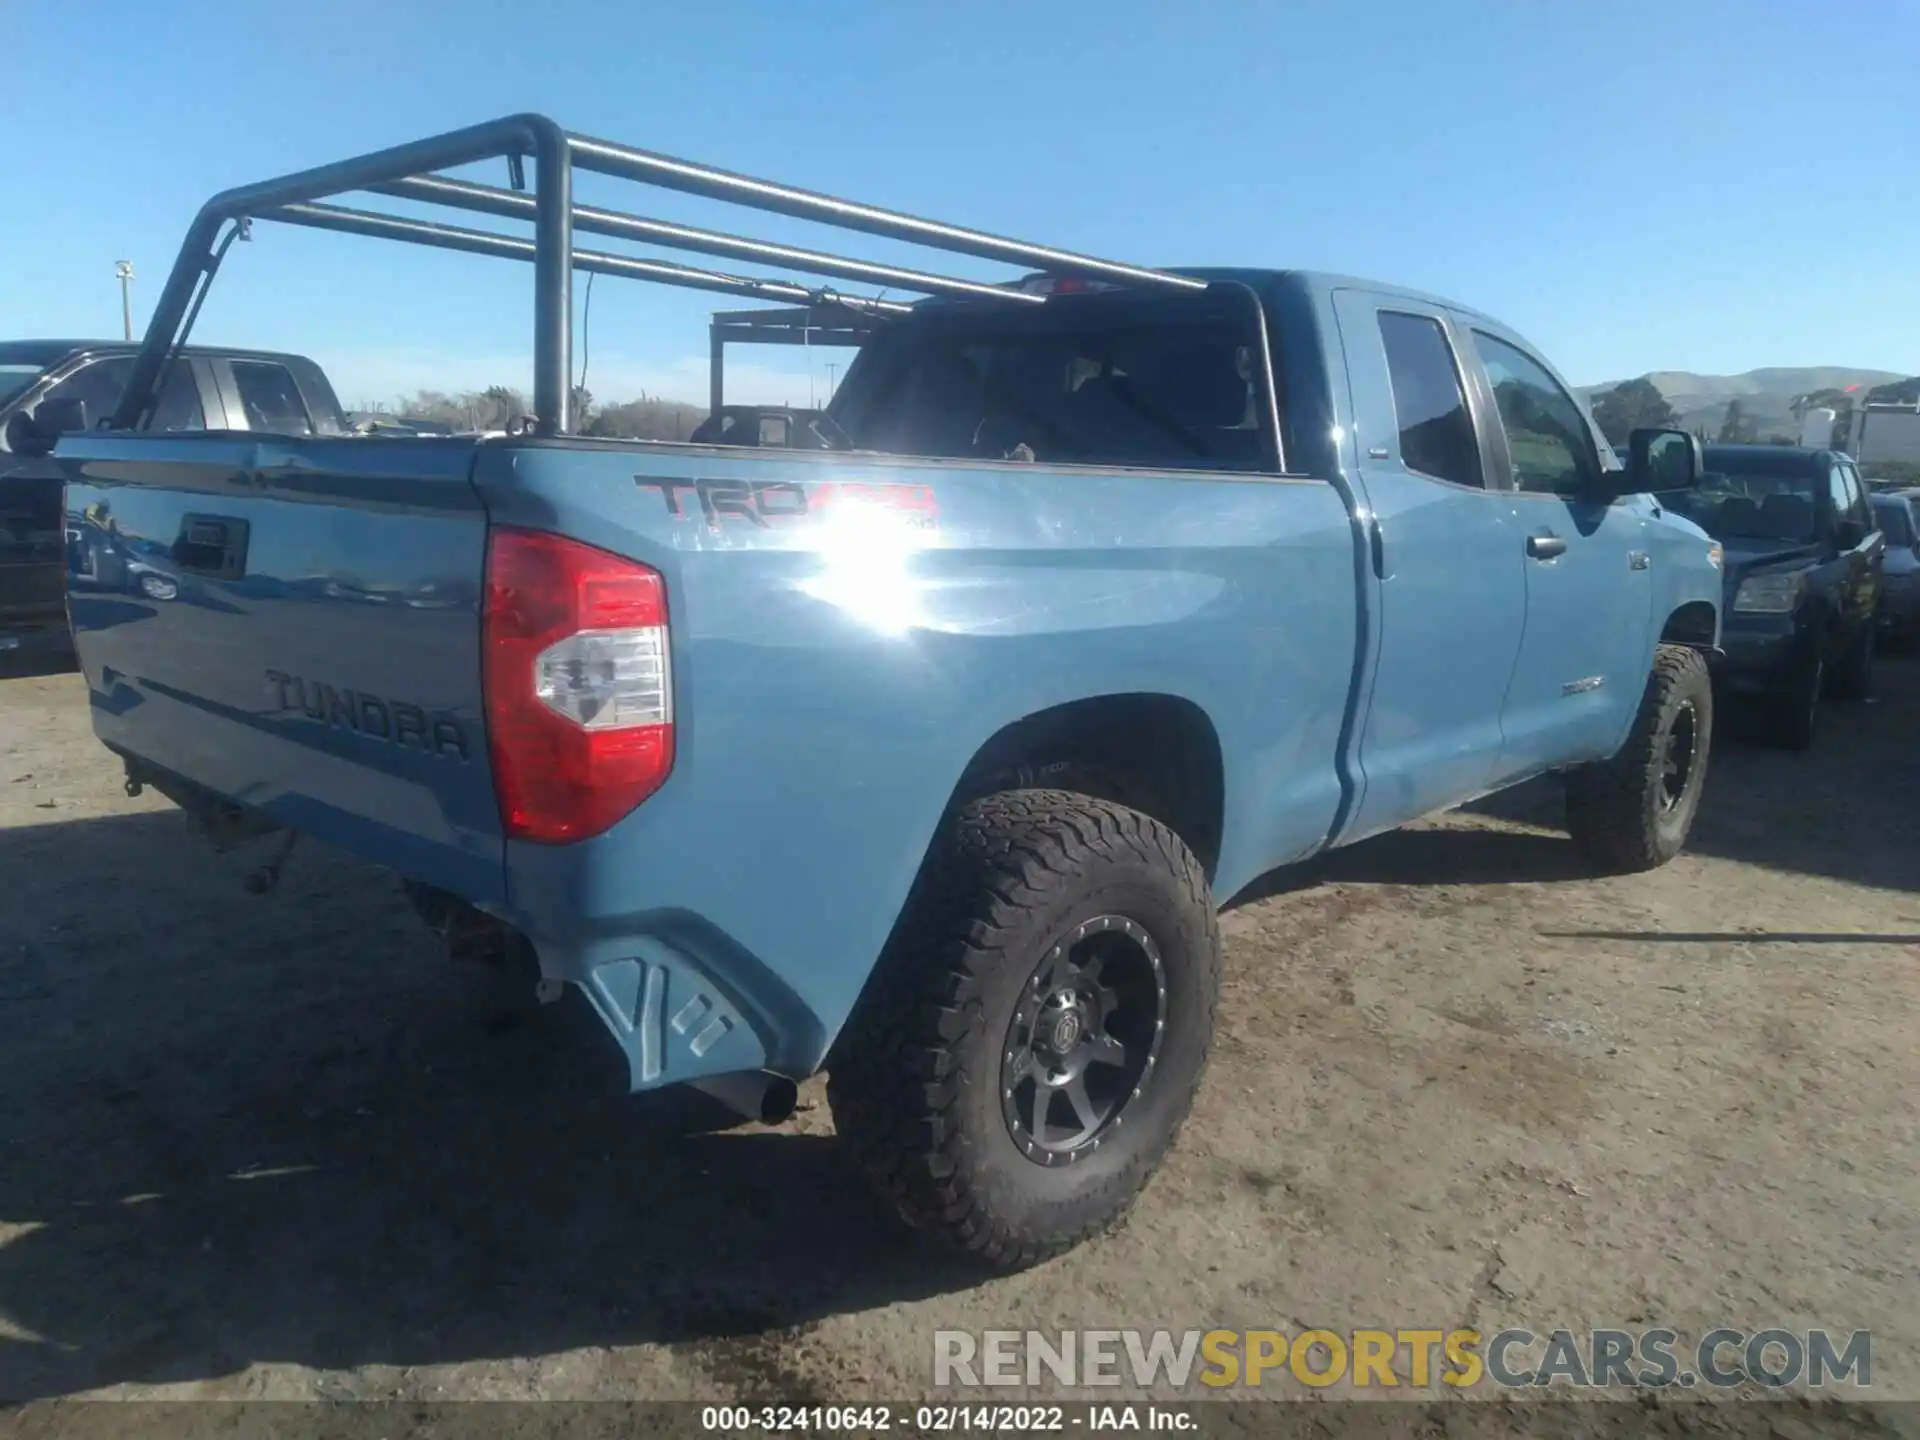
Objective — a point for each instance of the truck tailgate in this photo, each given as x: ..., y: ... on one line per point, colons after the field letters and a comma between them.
x: 295, y: 625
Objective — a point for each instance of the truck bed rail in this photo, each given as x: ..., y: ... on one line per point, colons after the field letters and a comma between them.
x: 408, y: 172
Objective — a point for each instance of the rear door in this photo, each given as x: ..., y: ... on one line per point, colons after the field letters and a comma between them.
x: 1584, y: 653
x: 1447, y: 564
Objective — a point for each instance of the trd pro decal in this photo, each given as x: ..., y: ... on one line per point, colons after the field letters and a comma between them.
x: 766, y: 504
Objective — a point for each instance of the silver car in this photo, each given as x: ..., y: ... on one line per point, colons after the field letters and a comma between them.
x: 1899, y: 515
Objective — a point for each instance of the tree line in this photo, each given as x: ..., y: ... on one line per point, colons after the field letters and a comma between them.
x: 1638, y: 404
x: 650, y: 417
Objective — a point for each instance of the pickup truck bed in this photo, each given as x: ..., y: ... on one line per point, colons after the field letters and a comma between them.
x: 922, y: 758
x: 827, y: 668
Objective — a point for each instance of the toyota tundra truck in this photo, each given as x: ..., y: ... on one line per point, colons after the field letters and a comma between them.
x: 923, y: 757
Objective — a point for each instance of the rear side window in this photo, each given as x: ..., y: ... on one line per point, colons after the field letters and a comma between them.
x: 179, y: 406
x: 1839, y: 498
x: 270, y: 398
x: 1547, y: 438
x: 1857, y: 494
x: 1429, y: 403
x: 1092, y: 383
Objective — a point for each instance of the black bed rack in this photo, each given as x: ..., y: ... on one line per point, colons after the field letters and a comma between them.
x: 407, y: 172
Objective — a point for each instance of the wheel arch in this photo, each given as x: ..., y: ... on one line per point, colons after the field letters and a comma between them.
x: 1694, y: 624
x: 1157, y: 753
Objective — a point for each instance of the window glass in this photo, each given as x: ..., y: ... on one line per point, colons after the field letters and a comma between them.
x: 271, y: 398
x: 98, y: 385
x: 102, y: 383
x: 1429, y: 404
x: 1857, y: 494
x: 1098, y: 382
x: 1753, y: 493
x: 1547, y: 438
x: 1840, y: 496
x: 179, y: 407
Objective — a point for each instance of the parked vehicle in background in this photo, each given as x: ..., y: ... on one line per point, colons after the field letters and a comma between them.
x: 924, y: 760
x: 1804, y: 568
x: 50, y: 387
x: 363, y: 422
x: 1898, y: 515
x: 773, y: 427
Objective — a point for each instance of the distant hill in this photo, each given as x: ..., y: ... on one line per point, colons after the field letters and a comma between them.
x: 1765, y: 395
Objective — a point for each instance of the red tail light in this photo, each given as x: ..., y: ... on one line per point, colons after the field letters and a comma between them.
x: 579, y: 685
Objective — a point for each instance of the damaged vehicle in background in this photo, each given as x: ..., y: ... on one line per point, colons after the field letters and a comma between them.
x: 1804, y: 561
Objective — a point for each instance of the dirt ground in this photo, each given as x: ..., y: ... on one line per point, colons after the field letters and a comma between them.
x: 278, y: 1147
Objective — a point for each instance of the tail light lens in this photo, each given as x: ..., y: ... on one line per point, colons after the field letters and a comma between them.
x: 579, y: 684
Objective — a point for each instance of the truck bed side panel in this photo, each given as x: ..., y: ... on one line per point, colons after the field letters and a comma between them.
x: 847, y: 633
x: 295, y: 626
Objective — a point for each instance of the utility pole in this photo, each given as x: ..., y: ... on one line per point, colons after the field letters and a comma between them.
x: 832, y: 370
x: 123, y: 271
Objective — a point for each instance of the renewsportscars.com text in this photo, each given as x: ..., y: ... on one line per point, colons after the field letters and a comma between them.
x: 1411, y: 1358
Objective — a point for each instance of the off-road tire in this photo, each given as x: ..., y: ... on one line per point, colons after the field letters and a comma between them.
x: 1853, y: 675
x: 915, y: 1080
x: 1793, y: 719
x: 1617, y: 809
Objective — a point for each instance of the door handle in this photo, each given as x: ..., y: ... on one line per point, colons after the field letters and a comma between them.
x: 213, y: 545
x: 1545, y: 547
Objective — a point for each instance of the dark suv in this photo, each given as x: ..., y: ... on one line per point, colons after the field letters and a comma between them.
x: 1804, y: 561
x: 64, y: 385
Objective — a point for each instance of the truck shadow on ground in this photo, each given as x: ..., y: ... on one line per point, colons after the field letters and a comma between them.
x: 1849, y: 809
x: 1432, y: 857
x: 286, y: 1130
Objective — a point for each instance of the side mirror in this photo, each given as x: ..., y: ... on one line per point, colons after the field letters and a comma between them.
x: 1661, y: 460
x: 38, y: 433
x: 1848, y: 533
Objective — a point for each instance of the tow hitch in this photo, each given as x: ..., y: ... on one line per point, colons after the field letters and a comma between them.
x: 224, y: 823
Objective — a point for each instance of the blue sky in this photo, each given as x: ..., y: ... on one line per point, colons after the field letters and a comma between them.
x: 1635, y: 186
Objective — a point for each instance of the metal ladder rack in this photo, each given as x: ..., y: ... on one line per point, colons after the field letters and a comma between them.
x: 407, y: 172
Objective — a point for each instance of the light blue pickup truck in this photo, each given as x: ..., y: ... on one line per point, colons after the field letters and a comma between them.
x: 924, y: 756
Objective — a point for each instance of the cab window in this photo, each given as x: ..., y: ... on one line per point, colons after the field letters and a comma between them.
x: 1547, y: 437
x: 1430, y: 406
x: 101, y: 383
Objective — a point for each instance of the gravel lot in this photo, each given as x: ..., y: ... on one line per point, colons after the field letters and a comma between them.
x: 277, y: 1147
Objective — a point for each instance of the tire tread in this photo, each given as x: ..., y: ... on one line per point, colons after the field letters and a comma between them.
x: 899, y: 1073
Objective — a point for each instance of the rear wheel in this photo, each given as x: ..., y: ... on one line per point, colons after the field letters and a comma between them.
x: 1634, y: 810
x: 1032, y: 1040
